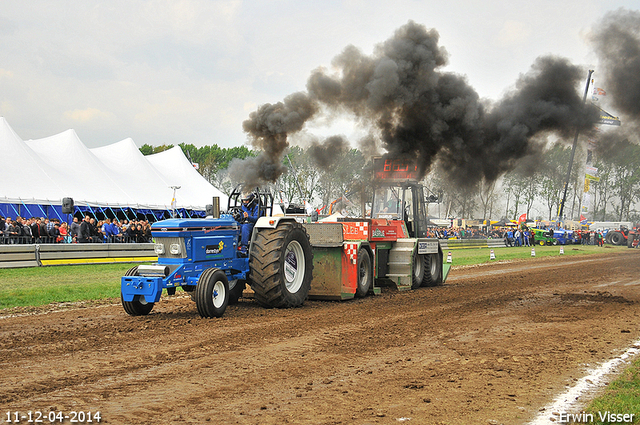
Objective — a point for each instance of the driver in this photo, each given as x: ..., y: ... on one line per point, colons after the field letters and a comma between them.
x: 250, y: 213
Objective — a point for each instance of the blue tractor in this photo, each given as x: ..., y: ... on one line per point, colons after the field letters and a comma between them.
x: 202, y: 257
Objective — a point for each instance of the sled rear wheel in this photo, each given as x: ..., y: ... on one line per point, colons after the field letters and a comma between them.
x: 365, y: 273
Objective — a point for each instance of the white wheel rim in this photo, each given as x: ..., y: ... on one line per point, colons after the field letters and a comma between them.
x: 218, y: 294
x: 294, y: 266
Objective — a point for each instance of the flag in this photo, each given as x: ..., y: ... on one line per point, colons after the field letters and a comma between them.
x: 583, y: 219
x: 522, y: 218
x: 599, y: 92
x: 607, y: 118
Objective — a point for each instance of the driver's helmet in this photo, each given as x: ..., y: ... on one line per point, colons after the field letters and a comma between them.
x: 248, y: 198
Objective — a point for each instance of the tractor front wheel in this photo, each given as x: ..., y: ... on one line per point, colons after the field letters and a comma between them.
x: 281, y: 266
x: 139, y: 306
x: 212, y: 293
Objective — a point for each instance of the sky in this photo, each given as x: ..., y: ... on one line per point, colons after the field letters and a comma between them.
x: 174, y: 71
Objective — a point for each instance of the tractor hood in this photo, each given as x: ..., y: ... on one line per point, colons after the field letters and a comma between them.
x: 184, y: 224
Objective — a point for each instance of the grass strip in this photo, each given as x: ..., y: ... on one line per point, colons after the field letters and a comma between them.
x: 470, y: 256
x: 622, y: 396
x: 36, y: 286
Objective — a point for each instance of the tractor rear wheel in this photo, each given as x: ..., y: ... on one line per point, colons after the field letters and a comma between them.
x: 617, y: 238
x: 139, y: 306
x: 281, y: 266
x: 212, y: 293
x: 365, y: 273
x: 432, y: 264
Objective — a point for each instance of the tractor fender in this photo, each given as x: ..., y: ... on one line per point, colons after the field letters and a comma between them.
x: 271, y: 222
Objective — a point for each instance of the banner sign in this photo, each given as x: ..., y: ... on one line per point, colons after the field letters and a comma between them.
x: 591, y: 173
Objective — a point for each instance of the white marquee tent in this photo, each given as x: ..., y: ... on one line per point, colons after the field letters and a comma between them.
x: 42, y: 172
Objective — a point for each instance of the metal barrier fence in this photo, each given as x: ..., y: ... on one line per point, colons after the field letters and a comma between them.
x: 29, y: 240
x: 472, y: 243
x: 34, y: 255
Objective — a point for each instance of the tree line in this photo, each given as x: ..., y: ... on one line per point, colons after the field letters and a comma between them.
x: 533, y: 187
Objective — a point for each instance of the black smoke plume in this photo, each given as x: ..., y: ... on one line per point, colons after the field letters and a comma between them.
x: 616, y: 40
x: 416, y: 110
x: 327, y: 152
x: 268, y: 129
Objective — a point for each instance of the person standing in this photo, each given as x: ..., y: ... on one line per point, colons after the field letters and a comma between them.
x: 26, y: 231
x: 74, y: 229
x: 64, y: 233
x: 12, y: 231
x: 106, y: 230
x: 600, y: 238
x: 36, y: 230
x: 114, y: 231
x: 85, y: 230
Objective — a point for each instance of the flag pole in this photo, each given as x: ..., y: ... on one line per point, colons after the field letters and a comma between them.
x: 573, y: 152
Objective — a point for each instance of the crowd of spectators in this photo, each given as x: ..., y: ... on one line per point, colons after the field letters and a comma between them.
x: 512, y: 235
x: 464, y: 233
x: 518, y: 236
x: 88, y: 230
x: 590, y: 238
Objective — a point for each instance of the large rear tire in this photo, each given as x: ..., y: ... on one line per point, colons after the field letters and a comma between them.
x: 212, y: 293
x: 139, y: 306
x: 281, y: 266
x: 617, y: 238
x: 433, y: 264
x: 365, y: 273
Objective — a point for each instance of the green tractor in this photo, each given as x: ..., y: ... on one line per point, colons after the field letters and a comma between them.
x: 543, y: 237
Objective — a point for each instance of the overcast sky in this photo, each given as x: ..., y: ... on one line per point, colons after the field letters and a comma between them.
x: 166, y: 72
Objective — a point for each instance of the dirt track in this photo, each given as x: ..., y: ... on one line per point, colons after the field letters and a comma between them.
x: 493, y: 345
